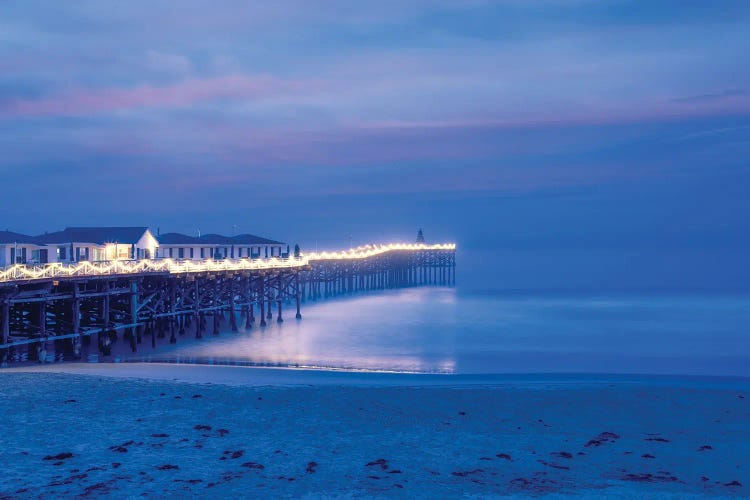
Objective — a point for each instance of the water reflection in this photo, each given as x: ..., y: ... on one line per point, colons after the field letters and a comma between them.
x: 369, y: 332
x: 441, y: 330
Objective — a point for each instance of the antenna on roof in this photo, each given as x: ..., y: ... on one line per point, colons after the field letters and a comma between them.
x: 199, y: 232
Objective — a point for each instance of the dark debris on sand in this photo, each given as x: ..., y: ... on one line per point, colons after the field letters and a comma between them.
x: 554, y: 466
x: 467, y: 472
x: 602, y: 438
x: 253, y: 465
x: 380, y: 462
x: 232, y: 454
x: 645, y: 477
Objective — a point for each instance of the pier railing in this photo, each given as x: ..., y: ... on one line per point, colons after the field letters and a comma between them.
x: 58, y: 270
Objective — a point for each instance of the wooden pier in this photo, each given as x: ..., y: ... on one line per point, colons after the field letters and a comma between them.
x: 50, y: 313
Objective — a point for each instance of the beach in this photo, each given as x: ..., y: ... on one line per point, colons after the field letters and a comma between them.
x: 132, y: 430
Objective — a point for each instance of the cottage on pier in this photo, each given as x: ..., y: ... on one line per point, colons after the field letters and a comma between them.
x: 183, y: 246
x: 16, y: 248
x: 75, y: 244
x: 255, y: 247
x: 216, y: 246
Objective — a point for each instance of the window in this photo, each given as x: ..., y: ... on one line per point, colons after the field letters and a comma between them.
x: 170, y: 253
x: 61, y: 251
x: 203, y: 253
x: 191, y: 252
x: 180, y: 253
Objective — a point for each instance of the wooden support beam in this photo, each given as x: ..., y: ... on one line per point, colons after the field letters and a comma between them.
x: 297, y: 295
x: 76, y: 318
x: 232, y: 315
x: 134, y: 331
x: 4, y: 328
x: 261, y: 299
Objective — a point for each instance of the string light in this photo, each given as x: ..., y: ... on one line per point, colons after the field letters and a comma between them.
x: 20, y: 272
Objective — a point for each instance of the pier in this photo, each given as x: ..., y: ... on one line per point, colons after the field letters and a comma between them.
x: 49, y: 312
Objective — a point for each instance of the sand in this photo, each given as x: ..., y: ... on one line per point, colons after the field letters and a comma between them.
x: 132, y: 430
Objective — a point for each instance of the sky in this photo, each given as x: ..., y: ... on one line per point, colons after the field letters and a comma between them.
x: 569, y: 143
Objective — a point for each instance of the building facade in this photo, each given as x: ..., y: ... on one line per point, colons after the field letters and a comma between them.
x: 217, y: 247
x: 96, y: 244
x: 16, y: 248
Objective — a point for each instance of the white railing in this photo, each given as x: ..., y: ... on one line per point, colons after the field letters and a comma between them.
x: 56, y: 270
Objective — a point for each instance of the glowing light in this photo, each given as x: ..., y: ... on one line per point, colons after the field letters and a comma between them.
x: 56, y: 270
x: 366, y: 251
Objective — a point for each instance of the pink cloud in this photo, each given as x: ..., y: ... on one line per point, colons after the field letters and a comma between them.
x: 92, y: 101
x: 655, y: 110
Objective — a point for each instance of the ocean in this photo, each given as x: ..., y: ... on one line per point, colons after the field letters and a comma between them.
x: 448, y: 330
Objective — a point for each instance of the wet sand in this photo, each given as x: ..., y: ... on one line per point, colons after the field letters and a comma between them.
x: 106, y: 431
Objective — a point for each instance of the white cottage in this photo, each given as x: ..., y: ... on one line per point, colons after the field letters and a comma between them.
x: 217, y: 247
x: 182, y: 246
x: 75, y: 244
x: 16, y: 248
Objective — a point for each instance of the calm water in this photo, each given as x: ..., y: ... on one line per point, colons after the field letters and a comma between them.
x: 444, y: 330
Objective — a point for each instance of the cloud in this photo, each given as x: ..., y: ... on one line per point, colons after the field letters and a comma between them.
x: 716, y: 96
x: 80, y: 102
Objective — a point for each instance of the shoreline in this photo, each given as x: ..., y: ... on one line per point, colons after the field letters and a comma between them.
x: 233, y: 375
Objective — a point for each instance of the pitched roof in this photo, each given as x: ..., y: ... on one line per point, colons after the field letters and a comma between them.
x: 96, y: 235
x: 178, y: 239
x: 251, y: 239
x: 215, y: 239
x: 11, y: 237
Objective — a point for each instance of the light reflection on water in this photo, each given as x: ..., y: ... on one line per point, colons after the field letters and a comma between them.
x: 441, y: 330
